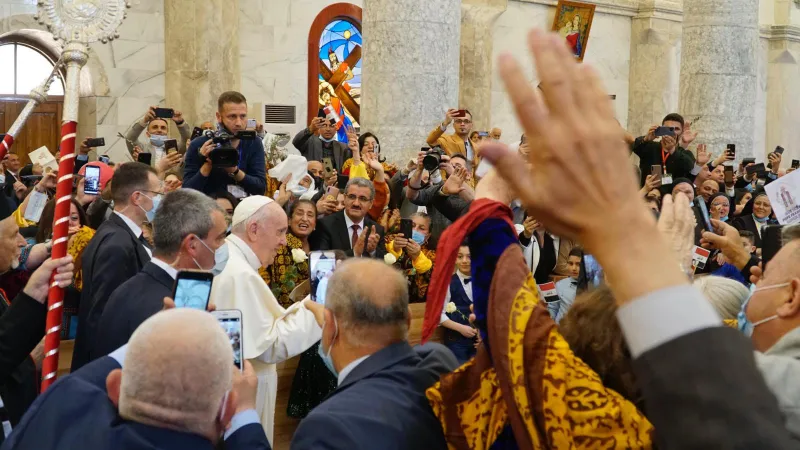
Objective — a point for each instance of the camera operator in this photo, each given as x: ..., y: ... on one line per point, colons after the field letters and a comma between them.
x: 249, y: 176
x: 670, y: 153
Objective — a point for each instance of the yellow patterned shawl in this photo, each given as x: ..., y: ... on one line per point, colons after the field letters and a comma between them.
x: 274, y: 276
x: 77, y: 244
x: 551, y: 399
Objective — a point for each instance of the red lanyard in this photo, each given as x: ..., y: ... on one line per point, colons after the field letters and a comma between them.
x: 664, y: 156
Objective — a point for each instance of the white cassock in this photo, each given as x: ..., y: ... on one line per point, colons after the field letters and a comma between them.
x: 270, y: 333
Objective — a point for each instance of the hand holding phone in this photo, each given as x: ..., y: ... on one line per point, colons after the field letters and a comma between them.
x: 145, y: 158
x: 91, y: 183
x: 96, y: 142
x: 665, y: 131
x: 231, y: 322
x: 328, y: 165
x: 701, y: 205
x: 755, y: 168
x: 730, y: 152
x: 321, y: 266
x: 406, y: 227
x: 729, y: 175
x: 192, y: 289
x: 171, y: 146
x: 164, y: 113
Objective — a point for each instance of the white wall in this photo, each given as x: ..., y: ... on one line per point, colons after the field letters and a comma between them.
x: 608, y: 51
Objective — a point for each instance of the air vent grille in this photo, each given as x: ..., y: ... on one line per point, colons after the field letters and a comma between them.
x: 280, y: 114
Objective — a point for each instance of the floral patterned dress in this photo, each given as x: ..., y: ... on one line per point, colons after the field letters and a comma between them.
x: 388, y: 169
x: 417, y: 282
x: 284, y: 274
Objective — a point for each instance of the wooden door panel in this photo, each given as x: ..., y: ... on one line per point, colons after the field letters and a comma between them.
x: 42, y: 128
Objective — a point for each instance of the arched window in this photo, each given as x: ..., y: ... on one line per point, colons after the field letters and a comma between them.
x: 334, y: 64
x: 23, y: 68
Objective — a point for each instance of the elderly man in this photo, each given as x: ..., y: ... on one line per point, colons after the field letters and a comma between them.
x: 496, y: 133
x: 188, y: 230
x: 380, y: 401
x: 271, y: 333
x: 173, y: 386
x: 342, y: 230
x: 117, y: 252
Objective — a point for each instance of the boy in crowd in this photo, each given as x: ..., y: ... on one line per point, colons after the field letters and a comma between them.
x: 459, y: 335
x: 568, y: 287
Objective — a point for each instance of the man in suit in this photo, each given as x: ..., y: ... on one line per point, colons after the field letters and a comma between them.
x: 117, y: 252
x: 188, y: 229
x: 458, y: 142
x: 380, y: 401
x: 173, y: 386
x: 318, y: 141
x: 342, y: 230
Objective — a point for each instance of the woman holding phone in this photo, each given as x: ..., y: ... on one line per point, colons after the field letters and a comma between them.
x: 413, y: 257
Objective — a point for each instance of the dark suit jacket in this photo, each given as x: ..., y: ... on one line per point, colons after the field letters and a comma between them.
x: 310, y: 146
x: 381, y: 404
x: 129, y: 305
x: 721, y: 400
x: 113, y: 256
x: 332, y: 234
x: 443, y: 209
x: 748, y: 223
x: 75, y: 413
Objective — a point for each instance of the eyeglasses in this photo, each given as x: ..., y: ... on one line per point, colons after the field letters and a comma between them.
x: 462, y: 121
x: 152, y: 192
x: 353, y: 197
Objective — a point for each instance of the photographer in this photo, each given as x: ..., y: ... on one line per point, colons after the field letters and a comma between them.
x: 249, y: 177
x: 458, y: 142
x: 670, y: 153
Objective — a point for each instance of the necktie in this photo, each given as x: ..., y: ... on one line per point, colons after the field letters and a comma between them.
x: 355, y: 235
x: 467, y: 280
x: 144, y: 241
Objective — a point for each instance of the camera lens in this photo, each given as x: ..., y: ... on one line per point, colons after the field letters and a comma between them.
x: 431, y: 161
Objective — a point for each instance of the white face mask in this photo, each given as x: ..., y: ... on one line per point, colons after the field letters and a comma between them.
x: 747, y: 327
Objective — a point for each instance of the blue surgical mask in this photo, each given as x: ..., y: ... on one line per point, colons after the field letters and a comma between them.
x: 152, y: 213
x: 217, y: 255
x: 418, y: 237
x: 326, y: 356
x: 158, y: 140
x: 760, y: 219
x: 327, y: 140
x: 724, y: 219
x: 743, y: 323
x: 299, y: 190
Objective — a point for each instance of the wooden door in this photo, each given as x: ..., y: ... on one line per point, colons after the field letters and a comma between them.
x: 42, y: 128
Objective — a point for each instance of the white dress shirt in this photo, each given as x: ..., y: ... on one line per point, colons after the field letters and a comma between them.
x: 171, y: 271
x: 349, y: 368
x: 467, y: 290
x: 137, y: 230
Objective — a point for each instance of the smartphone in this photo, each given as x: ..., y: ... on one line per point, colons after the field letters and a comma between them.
x: 779, y: 150
x: 728, y: 174
x: 328, y: 165
x: 231, y: 322
x: 796, y: 164
x: 665, y: 131
x: 730, y: 149
x: 96, y: 142
x: 406, y: 227
x: 192, y: 289
x: 321, y: 266
x: 770, y: 242
x: 196, y: 133
x: 755, y: 168
x: 655, y: 170
x: 171, y: 146
x: 701, y: 205
x: 251, y: 123
x: 145, y: 158
x: 91, y: 183
x: 747, y: 161
x: 164, y: 113
x: 461, y: 113
x: 332, y: 192
x: 104, y: 159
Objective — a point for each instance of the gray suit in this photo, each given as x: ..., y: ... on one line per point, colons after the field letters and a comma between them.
x: 780, y: 366
x: 310, y: 146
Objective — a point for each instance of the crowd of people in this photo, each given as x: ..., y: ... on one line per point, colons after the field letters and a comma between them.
x: 547, y: 277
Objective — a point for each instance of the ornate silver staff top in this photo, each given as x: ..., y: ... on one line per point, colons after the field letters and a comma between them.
x: 83, y: 21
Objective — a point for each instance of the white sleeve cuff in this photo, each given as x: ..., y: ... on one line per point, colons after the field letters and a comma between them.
x: 665, y: 315
x: 697, y: 168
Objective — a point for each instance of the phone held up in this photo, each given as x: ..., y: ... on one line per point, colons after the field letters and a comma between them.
x: 192, y: 289
x: 406, y: 227
x: 730, y: 150
x: 665, y: 131
x: 164, y: 113
x: 327, y: 163
x: 91, y: 182
x: 728, y: 174
x: 796, y: 164
x: 171, y: 146
x: 96, y: 142
x: 701, y: 205
x: 231, y: 322
x: 145, y: 158
x: 321, y: 266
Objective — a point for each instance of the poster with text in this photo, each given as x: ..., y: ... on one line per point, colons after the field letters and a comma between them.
x: 784, y: 195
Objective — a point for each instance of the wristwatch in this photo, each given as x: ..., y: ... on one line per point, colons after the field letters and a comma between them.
x: 233, y: 175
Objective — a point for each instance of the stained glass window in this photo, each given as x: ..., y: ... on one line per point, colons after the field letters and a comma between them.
x: 30, y: 68
x: 340, y: 73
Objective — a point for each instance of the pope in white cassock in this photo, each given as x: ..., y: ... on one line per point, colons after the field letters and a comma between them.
x: 270, y: 333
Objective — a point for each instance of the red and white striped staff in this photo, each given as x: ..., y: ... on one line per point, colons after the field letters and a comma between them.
x: 74, y: 27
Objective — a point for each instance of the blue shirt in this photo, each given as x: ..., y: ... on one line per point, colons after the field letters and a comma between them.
x: 251, y: 161
x: 567, y: 289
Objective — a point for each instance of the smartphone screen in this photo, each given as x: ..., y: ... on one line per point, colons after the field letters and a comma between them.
x: 406, y: 227
x: 731, y: 150
x: 728, y: 174
x: 701, y: 204
x: 231, y: 322
x: 91, y: 183
x: 192, y: 289
x: 145, y: 158
x: 251, y: 123
x: 164, y: 113
x: 322, y: 264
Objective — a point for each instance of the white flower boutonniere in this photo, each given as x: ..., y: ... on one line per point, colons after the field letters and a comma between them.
x: 450, y: 308
x: 298, y: 255
x: 389, y: 259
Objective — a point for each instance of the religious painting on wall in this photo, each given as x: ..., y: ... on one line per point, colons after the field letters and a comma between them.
x: 340, y: 74
x: 573, y: 21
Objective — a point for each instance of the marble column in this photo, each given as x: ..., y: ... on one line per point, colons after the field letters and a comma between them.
x: 782, y: 107
x: 410, y: 70
x: 654, y: 64
x: 475, y: 86
x: 719, y: 67
x: 201, y: 40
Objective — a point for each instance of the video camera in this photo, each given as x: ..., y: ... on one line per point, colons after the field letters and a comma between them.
x: 432, y: 159
x: 224, y: 155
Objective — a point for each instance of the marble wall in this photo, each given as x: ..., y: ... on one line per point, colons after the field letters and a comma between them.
x: 608, y: 51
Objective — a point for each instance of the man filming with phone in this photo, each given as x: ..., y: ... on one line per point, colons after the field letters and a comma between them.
x: 156, y: 128
x: 671, y: 154
x: 247, y: 175
x: 458, y: 142
x: 318, y: 141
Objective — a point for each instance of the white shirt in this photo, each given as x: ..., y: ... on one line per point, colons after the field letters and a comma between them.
x: 467, y: 289
x: 171, y: 271
x: 350, y: 224
x: 349, y: 368
x: 137, y: 230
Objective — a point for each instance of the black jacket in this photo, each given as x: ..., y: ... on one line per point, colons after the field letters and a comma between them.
x: 113, y: 256
x: 679, y: 164
x: 332, y: 234
x: 129, y: 305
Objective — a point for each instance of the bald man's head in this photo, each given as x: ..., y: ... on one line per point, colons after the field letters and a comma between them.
x: 369, y: 300
x: 177, y: 371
